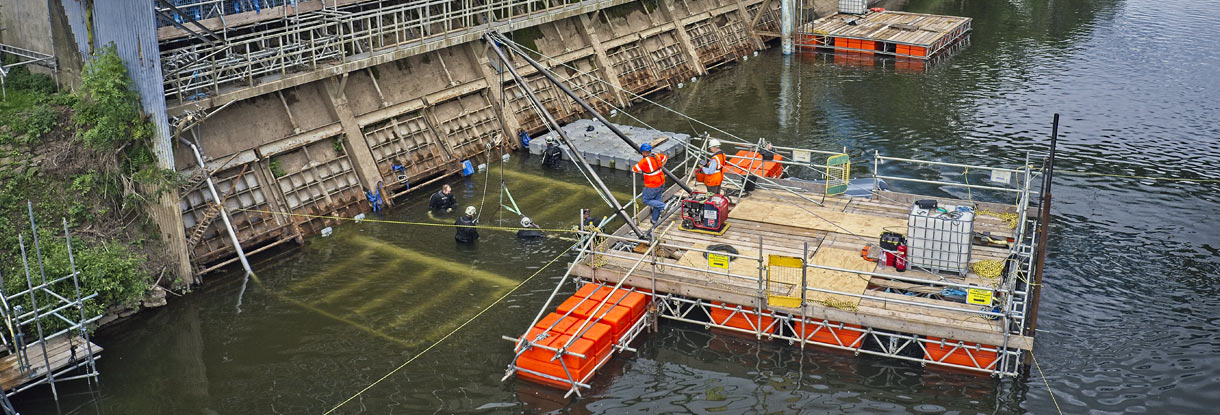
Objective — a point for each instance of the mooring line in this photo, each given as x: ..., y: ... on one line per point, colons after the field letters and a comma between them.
x: 451, y: 333
x: 398, y: 222
x: 1048, y: 385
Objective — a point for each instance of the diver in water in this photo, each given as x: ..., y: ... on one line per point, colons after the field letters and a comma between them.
x: 552, y: 155
x: 466, y: 233
x: 442, y: 200
x: 531, y: 230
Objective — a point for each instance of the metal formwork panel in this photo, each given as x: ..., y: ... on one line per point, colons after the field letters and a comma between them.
x: 670, y: 60
x: 527, y: 116
x: 475, y: 126
x: 635, y: 69
x: 241, y: 191
x: 707, y: 42
x: 407, y: 141
x: 324, y: 183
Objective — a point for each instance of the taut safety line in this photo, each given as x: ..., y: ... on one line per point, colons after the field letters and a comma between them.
x: 442, y: 339
x: 398, y: 222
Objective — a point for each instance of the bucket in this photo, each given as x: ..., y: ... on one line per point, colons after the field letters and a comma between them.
x: 467, y: 168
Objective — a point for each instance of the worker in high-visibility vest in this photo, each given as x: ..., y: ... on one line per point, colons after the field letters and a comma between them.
x: 713, y: 170
x: 654, y: 179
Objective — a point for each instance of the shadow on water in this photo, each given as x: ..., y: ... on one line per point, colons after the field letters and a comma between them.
x: 1127, y: 320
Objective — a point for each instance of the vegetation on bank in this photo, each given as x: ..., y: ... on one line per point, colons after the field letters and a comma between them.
x: 84, y: 157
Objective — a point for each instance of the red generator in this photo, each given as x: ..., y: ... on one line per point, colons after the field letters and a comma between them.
x: 702, y: 211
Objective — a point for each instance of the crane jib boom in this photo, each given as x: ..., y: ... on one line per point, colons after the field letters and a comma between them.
x: 496, y: 36
x: 550, y: 121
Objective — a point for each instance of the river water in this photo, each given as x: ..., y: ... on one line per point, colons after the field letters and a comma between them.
x: 1129, y: 317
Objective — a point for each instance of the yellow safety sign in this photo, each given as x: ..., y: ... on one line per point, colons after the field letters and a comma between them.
x: 718, y: 261
x: 978, y: 296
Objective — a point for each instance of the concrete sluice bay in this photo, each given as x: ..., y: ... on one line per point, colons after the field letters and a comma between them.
x: 1127, y: 318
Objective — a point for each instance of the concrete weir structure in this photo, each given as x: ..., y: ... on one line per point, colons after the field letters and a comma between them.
x: 303, y: 106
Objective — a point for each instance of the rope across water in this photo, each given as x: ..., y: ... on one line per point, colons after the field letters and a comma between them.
x: 451, y: 333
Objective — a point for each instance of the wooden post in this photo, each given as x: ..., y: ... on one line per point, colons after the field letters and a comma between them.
x: 804, y: 271
x: 762, y: 300
x: 1044, y: 219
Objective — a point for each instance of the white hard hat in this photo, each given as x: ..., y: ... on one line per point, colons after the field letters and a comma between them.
x: 526, y: 222
x: 713, y: 143
x: 470, y: 210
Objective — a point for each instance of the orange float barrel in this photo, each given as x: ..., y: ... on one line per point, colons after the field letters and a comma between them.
x: 950, y: 353
x: 577, y: 368
x: 618, y: 318
x: 868, y: 46
x: 830, y: 333
x: 636, y: 302
x: 747, y: 319
x: 594, y: 344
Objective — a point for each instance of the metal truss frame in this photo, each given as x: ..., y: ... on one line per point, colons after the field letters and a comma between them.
x: 309, y: 40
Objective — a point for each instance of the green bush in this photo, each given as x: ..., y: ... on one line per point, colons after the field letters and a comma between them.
x: 90, y: 190
x: 20, y: 78
x: 108, y: 269
x: 23, y: 128
x: 108, y: 111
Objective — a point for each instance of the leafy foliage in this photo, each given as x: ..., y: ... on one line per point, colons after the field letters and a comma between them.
x: 87, y: 158
x: 109, y: 109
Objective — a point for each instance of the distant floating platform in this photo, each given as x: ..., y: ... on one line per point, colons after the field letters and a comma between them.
x: 910, y: 35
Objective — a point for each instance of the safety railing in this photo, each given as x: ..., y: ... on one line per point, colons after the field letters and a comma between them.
x: 306, y: 41
x: 760, y: 279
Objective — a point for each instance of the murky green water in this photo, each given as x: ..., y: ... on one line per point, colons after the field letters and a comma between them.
x: 1129, y: 308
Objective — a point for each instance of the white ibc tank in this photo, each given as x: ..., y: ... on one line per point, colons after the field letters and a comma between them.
x: 853, y: 6
x: 940, y: 240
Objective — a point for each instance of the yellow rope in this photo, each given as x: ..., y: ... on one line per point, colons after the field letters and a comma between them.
x: 988, y: 268
x: 1048, y: 384
x: 846, y: 305
x: 442, y: 339
x: 398, y: 222
x: 1008, y: 217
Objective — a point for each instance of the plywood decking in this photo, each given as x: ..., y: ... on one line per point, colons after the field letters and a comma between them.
x: 59, y: 352
x: 888, y: 26
x: 893, y: 33
x: 836, y: 280
x: 763, y: 215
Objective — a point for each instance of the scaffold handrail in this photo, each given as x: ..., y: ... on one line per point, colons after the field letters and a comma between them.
x: 678, y: 308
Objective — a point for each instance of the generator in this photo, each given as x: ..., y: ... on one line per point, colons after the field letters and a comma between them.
x: 705, y: 212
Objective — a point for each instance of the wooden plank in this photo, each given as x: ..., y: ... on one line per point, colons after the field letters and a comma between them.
x: 847, y: 282
x: 825, y: 219
x: 59, y: 353
x: 879, y: 318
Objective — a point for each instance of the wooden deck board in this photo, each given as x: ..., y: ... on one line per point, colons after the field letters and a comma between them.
x: 785, y: 232
x: 58, y: 352
x: 889, y: 26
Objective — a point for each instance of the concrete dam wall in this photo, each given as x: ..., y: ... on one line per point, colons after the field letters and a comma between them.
x: 305, y: 110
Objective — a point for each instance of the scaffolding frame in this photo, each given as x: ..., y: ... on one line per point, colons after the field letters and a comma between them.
x: 56, y: 300
x: 312, y: 40
x: 1013, y: 291
x: 24, y: 57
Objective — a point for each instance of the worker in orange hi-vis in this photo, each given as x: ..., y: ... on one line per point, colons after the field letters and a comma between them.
x: 654, y: 179
x: 713, y: 170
